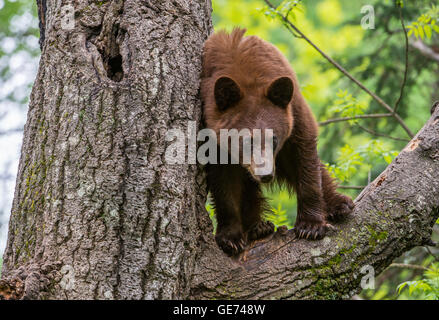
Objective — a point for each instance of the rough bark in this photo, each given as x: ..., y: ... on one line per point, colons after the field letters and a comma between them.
x: 99, y: 214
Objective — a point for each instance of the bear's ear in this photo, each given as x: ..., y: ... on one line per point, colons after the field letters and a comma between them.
x: 227, y: 93
x: 280, y: 91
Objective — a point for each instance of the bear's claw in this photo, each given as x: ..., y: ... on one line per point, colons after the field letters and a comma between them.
x: 311, y: 231
x: 341, y: 209
x: 260, y: 230
x: 231, y: 245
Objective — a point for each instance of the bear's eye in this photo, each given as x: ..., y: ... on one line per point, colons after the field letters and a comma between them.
x: 227, y: 93
x: 280, y: 92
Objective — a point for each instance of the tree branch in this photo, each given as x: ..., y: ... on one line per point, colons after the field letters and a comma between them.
x: 346, y: 73
x: 395, y: 109
x: 374, y: 133
x: 393, y: 214
x: 351, y: 187
x: 407, y: 266
x: 425, y: 50
x: 362, y: 116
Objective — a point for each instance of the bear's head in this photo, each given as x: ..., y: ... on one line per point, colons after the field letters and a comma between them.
x: 247, y: 110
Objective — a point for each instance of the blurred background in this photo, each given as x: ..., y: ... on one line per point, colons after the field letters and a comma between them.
x: 356, y: 151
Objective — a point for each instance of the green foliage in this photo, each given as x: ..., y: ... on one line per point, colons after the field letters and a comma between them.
x: 350, y: 159
x: 278, y: 216
x: 426, y: 288
x: 211, y: 212
x: 426, y: 24
x: 286, y: 8
x: 347, y: 165
x: 347, y: 106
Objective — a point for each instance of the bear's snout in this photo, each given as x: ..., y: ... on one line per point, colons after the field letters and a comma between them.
x: 264, y: 169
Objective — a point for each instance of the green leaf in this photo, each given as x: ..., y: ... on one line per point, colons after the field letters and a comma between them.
x: 415, y: 30
x: 388, y: 158
x: 401, y: 287
x: 427, y: 30
x: 421, y: 32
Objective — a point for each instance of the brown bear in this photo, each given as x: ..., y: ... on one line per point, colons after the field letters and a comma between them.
x: 246, y: 82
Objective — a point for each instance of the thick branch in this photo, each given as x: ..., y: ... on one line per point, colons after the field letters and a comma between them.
x: 393, y: 214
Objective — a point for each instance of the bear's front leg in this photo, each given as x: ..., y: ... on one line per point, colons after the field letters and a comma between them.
x: 338, y: 206
x: 225, y: 184
x: 311, y: 216
x: 252, y: 208
x: 299, y: 168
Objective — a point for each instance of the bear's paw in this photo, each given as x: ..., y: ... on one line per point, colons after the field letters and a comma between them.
x: 260, y: 230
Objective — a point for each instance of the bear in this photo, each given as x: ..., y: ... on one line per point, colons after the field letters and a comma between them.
x: 246, y: 82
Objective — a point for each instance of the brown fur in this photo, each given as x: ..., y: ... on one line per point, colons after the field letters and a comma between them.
x: 252, y: 67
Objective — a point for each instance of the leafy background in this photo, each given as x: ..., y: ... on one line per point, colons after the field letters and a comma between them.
x: 354, y: 156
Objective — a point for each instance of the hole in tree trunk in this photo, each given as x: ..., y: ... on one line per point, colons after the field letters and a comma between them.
x: 110, y: 52
x: 114, y: 68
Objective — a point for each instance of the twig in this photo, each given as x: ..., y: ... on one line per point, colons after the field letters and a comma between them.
x: 407, y: 266
x: 352, y: 187
x: 362, y: 116
x: 377, y: 134
x: 347, y: 74
x: 395, y: 109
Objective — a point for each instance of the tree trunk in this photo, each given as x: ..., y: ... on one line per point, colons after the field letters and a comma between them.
x: 99, y: 214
